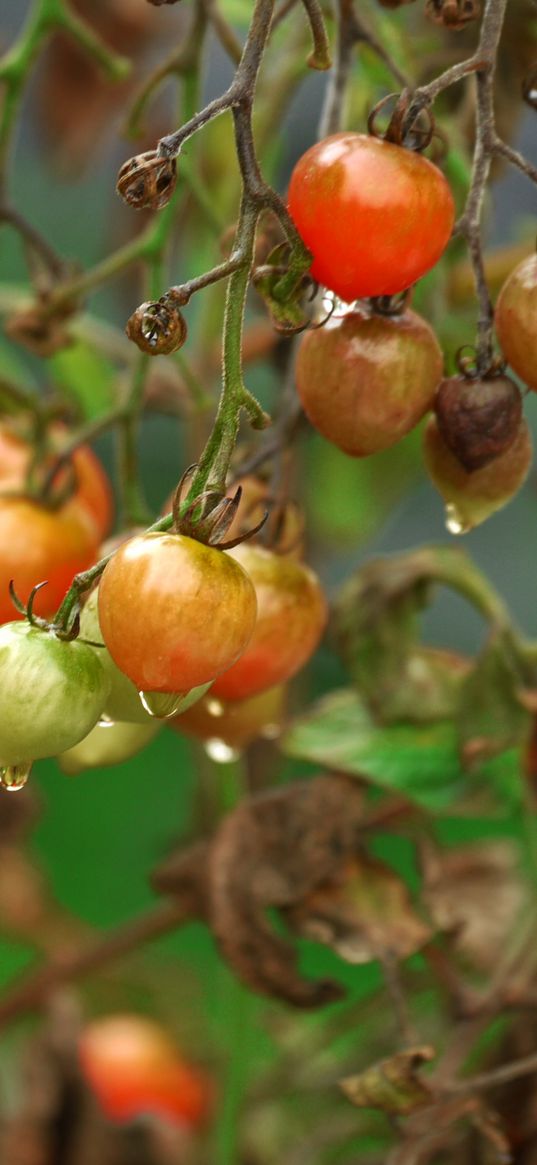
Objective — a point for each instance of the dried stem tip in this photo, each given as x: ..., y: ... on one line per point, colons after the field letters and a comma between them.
x: 147, y: 181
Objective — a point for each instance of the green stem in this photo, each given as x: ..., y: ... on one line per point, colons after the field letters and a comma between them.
x: 134, y: 510
x: 215, y: 459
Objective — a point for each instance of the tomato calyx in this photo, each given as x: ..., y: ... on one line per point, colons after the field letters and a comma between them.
x: 208, y: 517
x: 389, y: 305
x: 473, y: 365
x: 67, y: 634
x: 409, y: 127
x: 289, y: 316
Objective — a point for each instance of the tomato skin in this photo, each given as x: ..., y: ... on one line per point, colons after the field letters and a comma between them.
x: 134, y: 1069
x: 515, y: 320
x: 106, y: 745
x: 237, y: 723
x: 173, y: 612
x: 375, y: 216
x: 37, y: 544
x: 123, y: 703
x: 474, y: 496
x: 52, y: 693
x: 92, y: 490
x: 291, y: 617
x: 366, y: 380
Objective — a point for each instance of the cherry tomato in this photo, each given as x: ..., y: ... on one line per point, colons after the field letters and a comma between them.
x: 375, y: 216
x: 291, y: 615
x: 107, y: 744
x: 366, y: 380
x: 173, y: 612
x: 236, y: 723
x: 471, y: 497
x: 515, y: 320
x: 37, y: 544
x: 124, y: 703
x: 92, y: 489
x: 134, y: 1068
x: 52, y: 692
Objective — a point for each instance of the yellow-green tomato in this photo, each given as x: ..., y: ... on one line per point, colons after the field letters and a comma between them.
x: 52, y: 692
x: 107, y: 744
x: 124, y: 703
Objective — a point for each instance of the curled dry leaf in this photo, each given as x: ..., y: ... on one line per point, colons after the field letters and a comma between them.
x: 474, y: 894
x: 394, y: 1085
x: 272, y: 851
x: 363, y: 913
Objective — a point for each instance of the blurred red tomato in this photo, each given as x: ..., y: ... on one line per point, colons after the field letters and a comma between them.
x: 134, y: 1068
x: 92, y: 489
x: 38, y: 545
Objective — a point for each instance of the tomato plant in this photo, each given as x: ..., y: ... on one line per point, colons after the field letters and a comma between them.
x: 52, y: 692
x: 291, y: 616
x: 173, y: 612
x: 375, y: 216
x: 38, y: 544
x: 134, y: 1069
x: 365, y: 380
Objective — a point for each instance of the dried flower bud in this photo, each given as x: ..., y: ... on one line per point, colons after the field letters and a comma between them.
x: 478, y: 419
x: 453, y: 14
x: 39, y: 332
x: 158, y: 328
x: 147, y: 181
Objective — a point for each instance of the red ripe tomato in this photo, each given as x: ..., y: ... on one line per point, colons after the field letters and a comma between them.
x: 92, y: 489
x: 173, y: 612
x: 375, y: 216
x: 366, y: 380
x: 37, y: 544
x: 134, y: 1068
x: 291, y: 616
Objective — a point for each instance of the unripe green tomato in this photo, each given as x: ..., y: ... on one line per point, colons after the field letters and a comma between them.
x: 107, y: 744
x: 124, y: 704
x: 52, y: 692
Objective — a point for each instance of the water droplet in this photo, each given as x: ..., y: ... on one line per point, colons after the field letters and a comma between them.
x: 105, y: 721
x: 271, y: 731
x: 455, y: 523
x: 214, y: 706
x: 221, y: 752
x: 14, y: 777
x: 162, y: 705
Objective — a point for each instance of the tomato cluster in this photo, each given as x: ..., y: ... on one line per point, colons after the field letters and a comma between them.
x: 181, y: 629
x: 376, y: 217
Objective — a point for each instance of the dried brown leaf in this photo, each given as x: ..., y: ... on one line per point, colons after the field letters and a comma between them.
x: 393, y: 1085
x: 474, y: 894
x: 364, y: 914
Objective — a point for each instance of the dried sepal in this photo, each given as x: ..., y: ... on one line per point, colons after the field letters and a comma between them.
x: 453, y: 14
x: 147, y: 181
x: 157, y: 327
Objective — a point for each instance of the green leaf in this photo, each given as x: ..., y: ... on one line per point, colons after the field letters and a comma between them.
x: 491, y: 716
x: 420, y: 762
x: 86, y: 377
